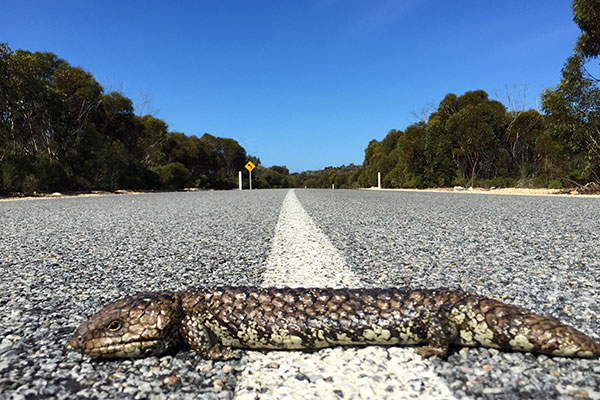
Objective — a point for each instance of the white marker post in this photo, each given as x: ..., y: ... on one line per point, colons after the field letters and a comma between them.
x: 250, y: 166
x: 379, y: 180
x: 240, y: 179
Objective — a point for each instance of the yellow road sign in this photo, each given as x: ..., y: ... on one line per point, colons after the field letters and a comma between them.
x: 250, y: 166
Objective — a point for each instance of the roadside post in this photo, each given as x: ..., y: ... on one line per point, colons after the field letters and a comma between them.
x: 250, y: 166
x: 240, y: 179
x: 379, y: 180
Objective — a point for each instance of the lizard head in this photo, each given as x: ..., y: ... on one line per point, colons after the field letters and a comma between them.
x: 136, y: 326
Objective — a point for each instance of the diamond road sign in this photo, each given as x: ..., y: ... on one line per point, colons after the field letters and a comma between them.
x: 250, y: 166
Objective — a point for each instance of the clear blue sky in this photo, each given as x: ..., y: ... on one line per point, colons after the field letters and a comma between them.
x: 301, y: 83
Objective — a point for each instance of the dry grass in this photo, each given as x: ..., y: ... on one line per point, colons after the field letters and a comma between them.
x: 57, y: 195
x: 504, y: 191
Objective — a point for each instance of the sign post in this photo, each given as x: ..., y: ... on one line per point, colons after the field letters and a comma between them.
x: 250, y: 166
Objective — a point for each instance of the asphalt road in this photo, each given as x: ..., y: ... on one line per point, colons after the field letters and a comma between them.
x: 63, y: 259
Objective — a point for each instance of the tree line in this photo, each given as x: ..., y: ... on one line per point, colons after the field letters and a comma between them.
x: 469, y: 140
x: 59, y: 130
x: 473, y: 140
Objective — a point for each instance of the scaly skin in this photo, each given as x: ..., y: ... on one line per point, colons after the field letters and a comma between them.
x: 213, y: 321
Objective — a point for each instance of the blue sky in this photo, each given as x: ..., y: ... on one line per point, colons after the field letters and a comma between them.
x: 301, y: 83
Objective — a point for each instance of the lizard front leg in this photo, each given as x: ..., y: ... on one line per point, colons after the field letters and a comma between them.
x: 203, y: 341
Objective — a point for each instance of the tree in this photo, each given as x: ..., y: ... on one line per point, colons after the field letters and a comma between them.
x: 439, y: 142
x: 4, y: 100
x: 550, y: 159
x: 113, y: 167
x: 31, y: 108
x: 272, y: 177
x: 174, y: 175
x: 117, y: 121
x: 344, y: 177
x: 448, y: 106
x: 586, y: 14
x: 440, y: 167
x: 574, y: 113
x: 231, y: 157
x: 368, y: 174
x: 477, y: 129
x: 81, y: 97
x: 411, y: 146
x: 380, y: 157
x: 153, y: 140
x: 573, y: 106
x: 523, y: 130
x: 472, y: 98
x: 234, y: 156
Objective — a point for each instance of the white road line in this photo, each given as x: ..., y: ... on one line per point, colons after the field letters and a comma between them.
x: 303, y: 256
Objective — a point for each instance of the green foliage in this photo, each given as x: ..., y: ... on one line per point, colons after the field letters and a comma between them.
x: 550, y: 159
x: 50, y: 173
x: 478, y: 130
x: 572, y: 145
x: 30, y: 184
x: 11, y: 175
x: 174, y: 175
x: 440, y: 167
x: 378, y: 159
x: 555, y: 184
x: 113, y: 167
x: 586, y: 14
x: 153, y: 141
x: 411, y: 156
x: 472, y: 98
x: 60, y: 131
x: 469, y: 140
x: 344, y: 177
x: 573, y: 108
x: 275, y: 176
x: 522, y: 133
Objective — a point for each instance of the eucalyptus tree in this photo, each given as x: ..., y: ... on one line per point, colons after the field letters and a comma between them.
x: 573, y: 105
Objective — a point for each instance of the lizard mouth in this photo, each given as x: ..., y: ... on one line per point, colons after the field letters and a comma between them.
x: 131, y: 349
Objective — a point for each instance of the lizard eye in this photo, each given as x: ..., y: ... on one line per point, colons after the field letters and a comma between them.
x: 115, y: 326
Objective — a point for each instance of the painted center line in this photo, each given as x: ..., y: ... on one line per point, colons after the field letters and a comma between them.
x: 302, y: 255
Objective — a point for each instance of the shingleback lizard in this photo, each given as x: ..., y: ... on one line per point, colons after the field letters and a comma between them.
x: 212, y: 321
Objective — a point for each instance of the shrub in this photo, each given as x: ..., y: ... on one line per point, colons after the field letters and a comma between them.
x: 12, y: 174
x: 174, y: 175
x: 555, y: 184
x: 50, y: 173
x: 30, y: 184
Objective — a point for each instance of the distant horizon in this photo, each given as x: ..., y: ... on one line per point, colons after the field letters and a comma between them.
x: 307, y: 84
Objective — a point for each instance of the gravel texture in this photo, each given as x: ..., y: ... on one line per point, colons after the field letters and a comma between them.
x: 63, y: 259
x: 542, y: 253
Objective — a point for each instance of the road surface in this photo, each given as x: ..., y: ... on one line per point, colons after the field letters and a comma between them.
x: 63, y: 259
